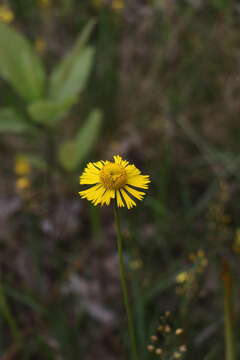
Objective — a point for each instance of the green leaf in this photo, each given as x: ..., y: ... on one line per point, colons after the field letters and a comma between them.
x: 49, y: 112
x: 19, y: 65
x: 73, y: 152
x: 70, y: 76
x: 12, y: 122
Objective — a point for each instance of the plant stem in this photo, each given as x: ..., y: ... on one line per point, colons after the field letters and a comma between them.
x: 124, y: 286
x: 228, y: 313
x: 6, y: 313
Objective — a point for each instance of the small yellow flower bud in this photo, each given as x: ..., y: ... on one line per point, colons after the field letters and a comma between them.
x: 177, y: 355
x: 150, y: 348
x: 118, y: 5
x: 183, y: 348
x: 182, y: 277
x: 6, y: 14
x: 22, y: 183
x: 167, y: 329
x: 40, y: 45
x: 154, y: 338
x: 179, y: 331
x: 22, y: 166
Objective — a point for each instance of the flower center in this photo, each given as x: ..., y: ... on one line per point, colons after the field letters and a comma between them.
x: 113, y: 176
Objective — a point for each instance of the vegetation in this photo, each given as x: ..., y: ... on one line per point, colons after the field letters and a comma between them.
x: 156, y: 82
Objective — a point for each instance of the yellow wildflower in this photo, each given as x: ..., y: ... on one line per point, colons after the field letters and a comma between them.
x: 117, y: 5
x: 154, y: 338
x: 113, y: 180
x: 182, y: 277
x: 179, y: 331
x: 150, y: 348
x: 40, y: 45
x: 22, y: 183
x: 22, y: 166
x: 6, y: 14
x: 177, y: 355
x: 183, y: 348
x: 45, y: 3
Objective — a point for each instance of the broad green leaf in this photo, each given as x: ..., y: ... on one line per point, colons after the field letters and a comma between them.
x: 49, y: 112
x: 70, y: 77
x: 19, y: 65
x: 73, y: 152
x: 10, y: 121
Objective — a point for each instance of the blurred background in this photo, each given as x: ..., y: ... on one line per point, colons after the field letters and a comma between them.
x: 158, y: 83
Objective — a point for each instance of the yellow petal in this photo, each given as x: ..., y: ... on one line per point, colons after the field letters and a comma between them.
x: 120, y: 161
x: 91, y: 193
x: 137, y: 194
x: 129, y: 202
x: 120, y: 203
x: 131, y: 170
x: 99, y: 164
x: 107, y: 196
x: 139, y: 181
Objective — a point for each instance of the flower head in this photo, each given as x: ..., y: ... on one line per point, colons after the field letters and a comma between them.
x: 22, y: 183
x: 6, y: 14
x: 22, y: 166
x: 113, y: 180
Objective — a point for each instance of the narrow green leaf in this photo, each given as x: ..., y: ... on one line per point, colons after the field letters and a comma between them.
x: 72, y: 153
x: 12, y: 122
x: 19, y: 64
x: 49, y: 112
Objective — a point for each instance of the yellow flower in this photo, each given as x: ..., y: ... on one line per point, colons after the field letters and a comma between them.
x: 22, y: 183
x: 117, y: 5
x: 182, y: 277
x: 113, y: 180
x: 6, y: 14
x: 40, y: 45
x: 177, y: 355
x: 45, y: 3
x: 22, y: 166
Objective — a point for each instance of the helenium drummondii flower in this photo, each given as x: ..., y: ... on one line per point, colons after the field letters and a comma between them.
x: 113, y: 180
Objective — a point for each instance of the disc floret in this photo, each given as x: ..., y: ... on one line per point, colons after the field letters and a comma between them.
x: 113, y: 176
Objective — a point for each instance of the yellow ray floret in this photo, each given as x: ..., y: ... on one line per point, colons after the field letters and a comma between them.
x: 113, y: 180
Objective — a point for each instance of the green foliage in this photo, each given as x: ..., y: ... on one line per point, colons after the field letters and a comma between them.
x: 73, y: 152
x: 11, y: 121
x: 22, y: 68
x: 69, y: 77
x: 48, y: 112
x: 19, y: 65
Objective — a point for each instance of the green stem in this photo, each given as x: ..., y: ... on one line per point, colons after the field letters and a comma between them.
x: 124, y: 286
x: 6, y: 313
x: 228, y: 314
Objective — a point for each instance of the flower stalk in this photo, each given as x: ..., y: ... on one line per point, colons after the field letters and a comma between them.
x: 123, y: 279
x: 228, y: 313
